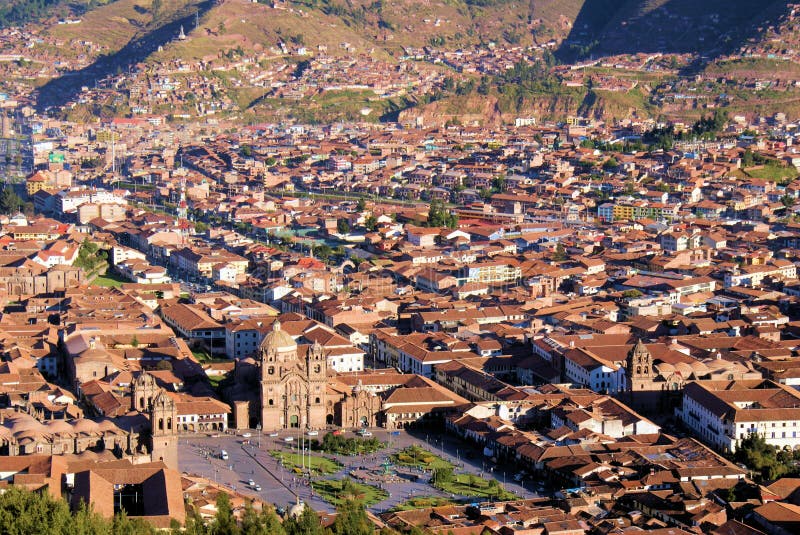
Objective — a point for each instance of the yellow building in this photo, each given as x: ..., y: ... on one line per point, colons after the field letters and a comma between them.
x: 36, y: 182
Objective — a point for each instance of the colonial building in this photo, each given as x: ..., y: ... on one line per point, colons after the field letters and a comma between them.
x: 639, y: 366
x: 293, y: 387
x: 723, y: 413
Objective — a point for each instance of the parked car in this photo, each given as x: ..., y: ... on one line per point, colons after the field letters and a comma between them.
x: 338, y: 432
x: 251, y: 482
x: 257, y: 487
x: 288, y: 439
x: 275, y: 434
x: 247, y: 435
x: 312, y: 433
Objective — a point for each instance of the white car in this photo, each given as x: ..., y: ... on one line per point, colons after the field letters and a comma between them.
x: 313, y: 433
x: 251, y: 482
x: 247, y: 435
x: 274, y: 434
x: 365, y: 433
x: 288, y: 439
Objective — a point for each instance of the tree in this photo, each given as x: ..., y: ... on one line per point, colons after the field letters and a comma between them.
x: 307, y: 523
x: 611, y: 163
x: 323, y: 252
x: 164, y: 365
x: 631, y: 294
x: 251, y: 521
x: 763, y: 458
x: 788, y: 201
x: 371, y: 223
x: 88, y: 255
x: 560, y: 254
x: 195, y: 525
x: 224, y: 521
x: 748, y: 160
x: 122, y: 524
x: 10, y: 202
x: 362, y: 204
x: 351, y: 519
x: 24, y: 512
x: 439, y: 216
x: 442, y: 475
x: 134, y: 341
x: 342, y: 226
x: 499, y: 183
x: 271, y: 522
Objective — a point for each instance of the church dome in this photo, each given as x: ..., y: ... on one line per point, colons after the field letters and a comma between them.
x: 278, y: 340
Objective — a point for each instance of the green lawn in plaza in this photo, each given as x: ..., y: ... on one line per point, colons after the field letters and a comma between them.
x: 318, y: 465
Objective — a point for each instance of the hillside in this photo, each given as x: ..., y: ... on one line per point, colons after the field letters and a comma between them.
x: 19, y: 12
x: 708, y: 28
x: 266, y: 42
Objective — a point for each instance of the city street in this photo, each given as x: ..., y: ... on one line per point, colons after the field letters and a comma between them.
x: 200, y: 455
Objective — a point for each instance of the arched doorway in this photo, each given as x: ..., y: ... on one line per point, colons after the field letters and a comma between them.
x: 363, y: 421
x: 294, y: 421
x: 329, y: 419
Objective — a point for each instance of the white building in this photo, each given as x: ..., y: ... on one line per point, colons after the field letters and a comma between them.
x: 120, y: 253
x: 243, y: 338
x: 584, y: 368
x: 722, y: 413
x: 754, y: 275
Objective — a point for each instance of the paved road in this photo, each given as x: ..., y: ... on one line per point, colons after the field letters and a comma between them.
x: 200, y: 455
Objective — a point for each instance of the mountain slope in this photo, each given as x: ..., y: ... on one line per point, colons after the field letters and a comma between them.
x: 709, y: 28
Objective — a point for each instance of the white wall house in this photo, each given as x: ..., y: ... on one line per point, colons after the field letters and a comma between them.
x: 584, y: 369
x: 722, y: 418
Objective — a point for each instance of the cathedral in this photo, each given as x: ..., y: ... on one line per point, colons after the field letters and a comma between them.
x: 149, y: 399
x: 293, y: 386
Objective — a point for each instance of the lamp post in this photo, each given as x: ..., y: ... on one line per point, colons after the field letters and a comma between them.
x: 258, y: 428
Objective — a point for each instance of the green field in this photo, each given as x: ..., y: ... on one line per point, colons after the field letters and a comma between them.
x: 417, y: 457
x: 471, y: 485
x: 773, y: 173
x: 317, y: 465
x: 337, y: 492
x: 421, y: 503
x: 109, y: 280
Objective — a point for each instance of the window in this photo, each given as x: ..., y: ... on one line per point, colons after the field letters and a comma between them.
x: 271, y: 402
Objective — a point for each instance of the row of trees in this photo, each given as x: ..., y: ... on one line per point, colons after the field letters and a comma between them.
x: 342, y: 445
x: 29, y: 513
x: 766, y: 461
x: 706, y: 128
